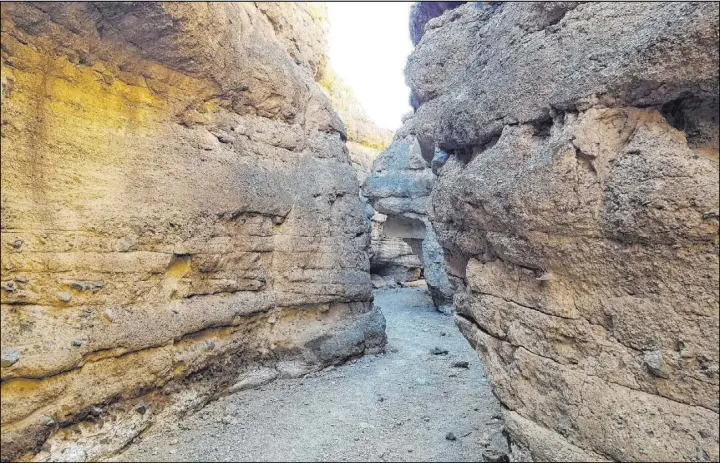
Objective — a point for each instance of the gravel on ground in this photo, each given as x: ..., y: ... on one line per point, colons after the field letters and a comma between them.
x: 408, y: 404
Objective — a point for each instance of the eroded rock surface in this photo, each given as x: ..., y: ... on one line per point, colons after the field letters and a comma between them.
x: 391, y: 261
x: 399, y: 187
x: 177, y: 206
x: 579, y: 210
x: 422, y: 12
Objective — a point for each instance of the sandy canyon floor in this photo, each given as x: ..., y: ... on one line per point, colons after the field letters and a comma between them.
x: 413, y: 403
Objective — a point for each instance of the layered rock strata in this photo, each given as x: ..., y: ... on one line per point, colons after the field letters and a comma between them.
x: 578, y: 210
x: 399, y: 187
x: 179, y: 215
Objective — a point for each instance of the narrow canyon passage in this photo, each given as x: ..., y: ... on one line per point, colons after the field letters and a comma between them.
x: 397, y: 406
x: 236, y: 231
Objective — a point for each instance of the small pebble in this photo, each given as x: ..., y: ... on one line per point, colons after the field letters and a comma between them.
x: 64, y: 296
x: 495, y: 456
x: 438, y: 351
x: 225, y: 139
x: 450, y: 436
x: 77, y: 343
x: 460, y: 364
x: 9, y: 286
x: 141, y: 407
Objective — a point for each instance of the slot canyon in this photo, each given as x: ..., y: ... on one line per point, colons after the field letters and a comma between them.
x: 212, y: 252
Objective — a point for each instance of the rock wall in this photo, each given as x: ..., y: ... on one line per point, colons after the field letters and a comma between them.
x: 579, y: 211
x: 422, y: 12
x: 399, y: 187
x: 179, y: 215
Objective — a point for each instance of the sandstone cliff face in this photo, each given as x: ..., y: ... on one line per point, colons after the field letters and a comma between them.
x: 579, y: 208
x: 178, y: 212
x: 399, y: 187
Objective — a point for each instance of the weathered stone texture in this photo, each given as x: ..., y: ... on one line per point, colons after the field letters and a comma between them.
x: 399, y: 187
x: 579, y: 210
x: 422, y: 12
x: 177, y: 205
x: 391, y: 260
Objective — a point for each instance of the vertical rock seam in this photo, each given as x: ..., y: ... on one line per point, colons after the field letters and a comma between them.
x: 179, y: 216
x: 578, y: 212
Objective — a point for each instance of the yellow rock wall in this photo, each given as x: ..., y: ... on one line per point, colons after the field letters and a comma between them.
x: 178, y: 207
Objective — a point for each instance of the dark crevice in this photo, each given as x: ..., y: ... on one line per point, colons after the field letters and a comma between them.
x: 542, y: 127
x: 463, y: 154
x: 470, y: 319
x: 696, y: 116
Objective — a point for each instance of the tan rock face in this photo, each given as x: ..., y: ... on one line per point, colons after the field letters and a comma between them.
x: 390, y: 257
x: 177, y: 205
x: 579, y: 207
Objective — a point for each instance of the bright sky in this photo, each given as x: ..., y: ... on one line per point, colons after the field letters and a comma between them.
x: 369, y: 44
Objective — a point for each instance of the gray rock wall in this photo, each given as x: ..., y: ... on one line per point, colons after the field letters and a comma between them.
x: 399, y: 187
x: 578, y: 213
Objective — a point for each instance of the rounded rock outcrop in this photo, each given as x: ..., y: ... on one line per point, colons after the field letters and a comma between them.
x: 578, y: 214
